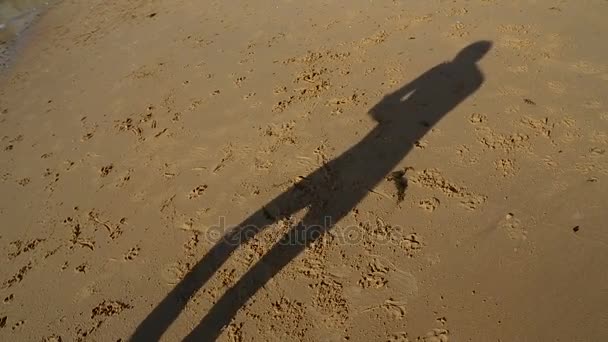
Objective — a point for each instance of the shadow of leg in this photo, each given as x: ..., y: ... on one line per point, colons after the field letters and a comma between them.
x: 159, y: 320
x: 282, y: 253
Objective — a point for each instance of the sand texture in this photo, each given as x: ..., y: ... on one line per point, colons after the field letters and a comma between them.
x: 404, y: 171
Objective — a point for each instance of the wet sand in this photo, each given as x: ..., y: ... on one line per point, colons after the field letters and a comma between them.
x: 16, y: 16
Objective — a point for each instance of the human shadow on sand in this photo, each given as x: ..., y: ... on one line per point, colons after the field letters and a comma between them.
x: 329, y: 193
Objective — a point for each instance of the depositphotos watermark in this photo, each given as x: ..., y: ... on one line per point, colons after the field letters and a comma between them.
x: 304, y: 234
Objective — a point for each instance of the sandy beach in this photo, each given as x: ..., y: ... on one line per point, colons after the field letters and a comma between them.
x: 319, y: 170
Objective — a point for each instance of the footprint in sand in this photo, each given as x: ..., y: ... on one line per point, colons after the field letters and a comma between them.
x: 513, y: 227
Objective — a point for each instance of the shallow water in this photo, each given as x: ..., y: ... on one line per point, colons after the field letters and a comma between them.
x: 15, y: 18
x: 15, y: 15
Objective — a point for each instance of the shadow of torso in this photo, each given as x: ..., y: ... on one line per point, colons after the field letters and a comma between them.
x: 404, y: 117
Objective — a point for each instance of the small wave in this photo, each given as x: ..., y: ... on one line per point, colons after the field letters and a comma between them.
x: 15, y: 17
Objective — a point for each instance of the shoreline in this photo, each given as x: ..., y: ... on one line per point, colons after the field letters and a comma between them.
x: 15, y: 25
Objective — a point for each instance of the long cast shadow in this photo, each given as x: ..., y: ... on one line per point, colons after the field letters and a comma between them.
x: 329, y: 193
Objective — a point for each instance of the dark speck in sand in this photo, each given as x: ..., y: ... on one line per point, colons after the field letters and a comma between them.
x: 152, y: 15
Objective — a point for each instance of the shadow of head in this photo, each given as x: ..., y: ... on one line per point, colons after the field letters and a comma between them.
x: 473, y: 53
x: 436, y: 91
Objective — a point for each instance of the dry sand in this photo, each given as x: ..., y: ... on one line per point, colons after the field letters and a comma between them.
x: 475, y: 210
